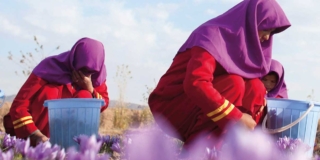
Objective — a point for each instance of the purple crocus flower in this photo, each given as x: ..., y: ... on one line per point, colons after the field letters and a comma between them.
x: 100, y: 138
x: 245, y: 144
x: 6, y: 155
x: 57, y: 153
x: 114, y: 139
x: 72, y: 154
x: 42, y: 151
x: 78, y: 138
x: 212, y: 153
x: 22, y: 146
x: 202, y: 147
x: 8, y: 141
x: 242, y: 144
x: 89, y: 148
x: 109, y: 140
x: 106, y: 139
x: 316, y: 157
x: 292, y: 146
x: 116, y: 147
x: 90, y: 143
x: 148, y: 145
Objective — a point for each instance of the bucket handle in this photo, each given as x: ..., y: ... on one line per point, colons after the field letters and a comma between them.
x: 278, y: 130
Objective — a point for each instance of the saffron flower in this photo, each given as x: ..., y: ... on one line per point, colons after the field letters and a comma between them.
x: 6, y: 155
x: 89, y: 149
x: 8, y: 141
x: 290, y: 145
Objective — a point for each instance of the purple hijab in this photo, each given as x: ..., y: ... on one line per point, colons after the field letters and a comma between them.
x: 86, y: 53
x: 232, y: 38
x: 280, y: 88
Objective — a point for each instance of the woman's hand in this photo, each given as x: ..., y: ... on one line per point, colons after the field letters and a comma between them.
x: 37, y: 137
x: 83, y: 81
x: 261, y: 108
x: 248, y: 121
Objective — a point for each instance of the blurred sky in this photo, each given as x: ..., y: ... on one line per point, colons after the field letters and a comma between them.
x: 146, y: 35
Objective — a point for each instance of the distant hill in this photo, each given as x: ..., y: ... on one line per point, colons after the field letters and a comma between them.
x: 10, y: 98
x: 112, y: 103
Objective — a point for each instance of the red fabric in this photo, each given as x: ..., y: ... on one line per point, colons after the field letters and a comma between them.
x: 7, y: 124
x: 82, y: 94
x: 259, y: 118
x: 254, y: 98
x: 27, y: 112
x: 194, y: 86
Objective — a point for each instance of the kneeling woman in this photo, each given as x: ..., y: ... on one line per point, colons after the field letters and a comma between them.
x: 213, y: 80
x: 78, y: 73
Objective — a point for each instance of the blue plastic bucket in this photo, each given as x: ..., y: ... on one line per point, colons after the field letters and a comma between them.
x: 292, y: 118
x: 71, y: 117
x: 2, y: 98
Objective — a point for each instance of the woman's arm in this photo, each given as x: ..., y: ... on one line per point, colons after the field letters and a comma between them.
x: 101, y: 92
x: 19, y: 111
x: 198, y: 86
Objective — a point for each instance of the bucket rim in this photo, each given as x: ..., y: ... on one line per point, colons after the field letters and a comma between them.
x: 293, y: 100
x: 74, y: 99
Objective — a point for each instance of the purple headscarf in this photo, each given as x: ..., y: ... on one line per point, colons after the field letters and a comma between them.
x: 86, y: 53
x: 232, y: 38
x: 280, y: 89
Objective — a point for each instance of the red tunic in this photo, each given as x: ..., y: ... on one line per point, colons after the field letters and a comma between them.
x: 260, y: 117
x: 196, y: 95
x: 27, y: 113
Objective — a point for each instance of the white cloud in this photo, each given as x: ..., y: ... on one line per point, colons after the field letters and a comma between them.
x: 211, y: 12
x: 60, y: 17
x: 7, y: 27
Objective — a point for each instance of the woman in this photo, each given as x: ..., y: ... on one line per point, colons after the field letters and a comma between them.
x: 274, y: 81
x: 79, y: 73
x: 213, y: 81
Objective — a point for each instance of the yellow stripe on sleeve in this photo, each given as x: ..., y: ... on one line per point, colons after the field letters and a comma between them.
x: 21, y: 119
x: 218, y: 110
x: 23, y: 124
x: 225, y: 113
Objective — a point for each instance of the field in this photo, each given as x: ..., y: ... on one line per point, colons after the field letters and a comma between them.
x: 115, y: 120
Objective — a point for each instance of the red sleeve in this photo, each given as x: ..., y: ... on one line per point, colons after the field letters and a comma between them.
x: 198, y: 86
x: 19, y: 111
x: 101, y: 92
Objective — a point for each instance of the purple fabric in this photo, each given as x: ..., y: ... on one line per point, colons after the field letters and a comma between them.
x: 280, y: 89
x: 232, y: 38
x: 86, y: 53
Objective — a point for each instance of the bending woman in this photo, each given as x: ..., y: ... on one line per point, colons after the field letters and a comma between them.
x: 213, y: 80
x: 79, y: 73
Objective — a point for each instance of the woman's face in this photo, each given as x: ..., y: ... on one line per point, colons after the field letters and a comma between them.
x: 270, y: 81
x: 264, y: 35
x: 86, y: 72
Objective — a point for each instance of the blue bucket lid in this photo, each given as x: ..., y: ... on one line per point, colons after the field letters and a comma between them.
x: 77, y: 100
x: 293, y: 101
